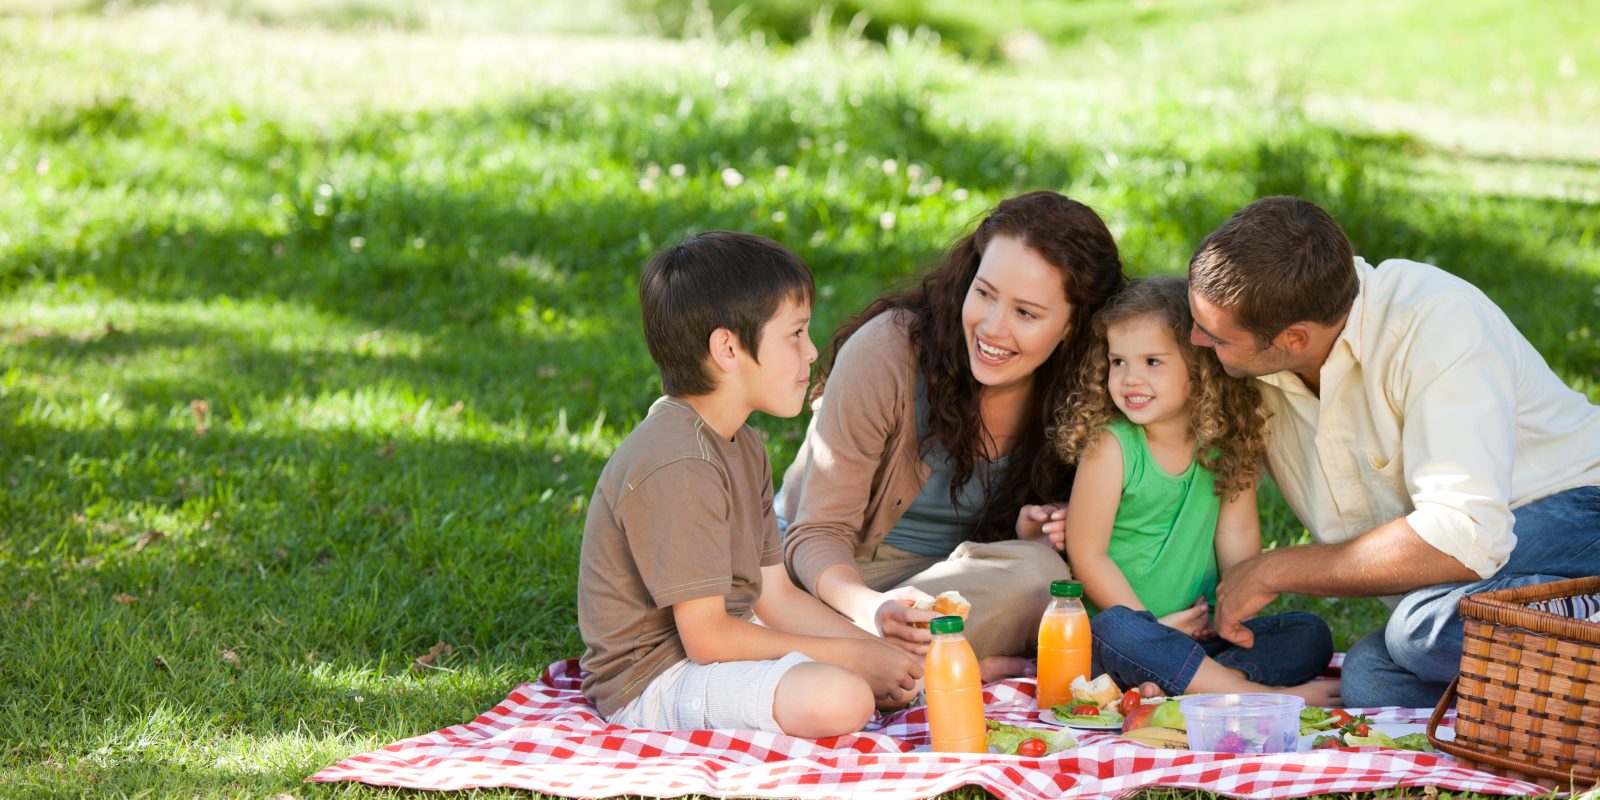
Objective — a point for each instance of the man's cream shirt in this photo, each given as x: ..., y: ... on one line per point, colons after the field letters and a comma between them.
x: 1433, y: 408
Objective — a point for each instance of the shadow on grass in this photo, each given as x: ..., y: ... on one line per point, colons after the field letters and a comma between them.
x: 980, y: 33
x: 500, y: 376
x: 441, y: 256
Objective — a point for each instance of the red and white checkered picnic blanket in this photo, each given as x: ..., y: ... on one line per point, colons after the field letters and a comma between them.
x: 544, y: 736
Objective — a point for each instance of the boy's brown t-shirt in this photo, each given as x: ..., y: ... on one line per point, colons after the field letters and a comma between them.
x: 678, y: 514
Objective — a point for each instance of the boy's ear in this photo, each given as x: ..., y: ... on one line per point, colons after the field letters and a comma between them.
x: 724, y: 350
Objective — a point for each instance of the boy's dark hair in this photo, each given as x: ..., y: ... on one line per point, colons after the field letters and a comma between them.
x: 1275, y: 262
x: 711, y: 280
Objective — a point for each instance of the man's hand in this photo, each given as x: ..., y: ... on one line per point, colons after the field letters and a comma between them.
x: 1389, y: 559
x: 1046, y: 522
x: 1193, y: 622
x: 892, y: 673
x: 894, y: 619
x: 1243, y: 591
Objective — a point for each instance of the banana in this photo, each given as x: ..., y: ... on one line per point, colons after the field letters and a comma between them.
x: 1159, y: 738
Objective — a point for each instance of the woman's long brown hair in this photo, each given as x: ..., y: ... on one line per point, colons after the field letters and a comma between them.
x: 1070, y: 237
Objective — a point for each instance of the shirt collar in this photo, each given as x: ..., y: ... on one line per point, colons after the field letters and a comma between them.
x: 1350, y: 337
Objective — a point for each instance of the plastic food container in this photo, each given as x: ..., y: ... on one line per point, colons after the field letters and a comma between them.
x: 1243, y: 723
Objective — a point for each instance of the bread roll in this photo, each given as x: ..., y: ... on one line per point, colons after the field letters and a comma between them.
x: 1101, y: 691
x: 950, y: 604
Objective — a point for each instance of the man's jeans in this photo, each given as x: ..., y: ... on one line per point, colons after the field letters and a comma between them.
x: 1133, y: 647
x: 1413, y: 658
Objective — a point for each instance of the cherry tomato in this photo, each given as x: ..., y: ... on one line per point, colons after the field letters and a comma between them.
x: 1341, y: 718
x: 1130, y: 700
x: 1085, y: 710
x: 1363, y: 729
x: 1032, y: 748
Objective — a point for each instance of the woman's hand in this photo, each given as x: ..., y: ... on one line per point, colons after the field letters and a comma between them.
x: 1047, y: 523
x: 1194, y: 621
x: 895, y: 619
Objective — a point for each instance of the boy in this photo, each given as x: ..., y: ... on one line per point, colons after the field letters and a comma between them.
x: 680, y: 549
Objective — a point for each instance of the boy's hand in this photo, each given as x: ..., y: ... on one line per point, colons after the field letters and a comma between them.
x: 1047, y: 523
x: 895, y: 619
x: 1194, y: 621
x: 892, y: 673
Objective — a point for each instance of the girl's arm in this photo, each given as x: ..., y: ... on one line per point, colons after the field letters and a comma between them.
x: 1238, y: 531
x: 1096, y: 494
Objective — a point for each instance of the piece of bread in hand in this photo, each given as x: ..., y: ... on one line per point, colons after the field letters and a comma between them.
x: 950, y: 604
x: 1101, y: 691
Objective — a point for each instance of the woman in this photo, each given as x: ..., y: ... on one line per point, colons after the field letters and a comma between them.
x: 928, y: 434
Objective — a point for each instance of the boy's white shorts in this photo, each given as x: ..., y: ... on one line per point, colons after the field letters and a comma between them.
x: 690, y: 696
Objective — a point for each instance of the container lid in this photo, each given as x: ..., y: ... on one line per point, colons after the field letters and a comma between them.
x: 950, y: 624
x: 1066, y: 589
x: 1250, y: 704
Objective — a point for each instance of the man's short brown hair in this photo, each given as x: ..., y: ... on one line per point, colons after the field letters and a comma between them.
x: 1275, y: 262
x: 711, y: 280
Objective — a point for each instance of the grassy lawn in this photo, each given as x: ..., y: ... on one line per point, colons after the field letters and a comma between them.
x: 318, y: 319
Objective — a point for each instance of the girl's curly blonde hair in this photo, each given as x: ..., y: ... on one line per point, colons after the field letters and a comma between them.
x: 1225, y: 413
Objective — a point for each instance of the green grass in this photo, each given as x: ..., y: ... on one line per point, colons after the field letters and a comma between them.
x: 392, y: 251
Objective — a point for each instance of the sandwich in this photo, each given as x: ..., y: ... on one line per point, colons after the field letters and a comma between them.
x: 1101, y: 691
x: 950, y: 604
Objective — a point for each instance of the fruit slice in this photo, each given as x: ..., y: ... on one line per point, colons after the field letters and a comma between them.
x: 1165, y: 714
x: 1159, y: 738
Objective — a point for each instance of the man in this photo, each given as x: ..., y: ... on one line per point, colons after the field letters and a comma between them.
x: 1428, y: 448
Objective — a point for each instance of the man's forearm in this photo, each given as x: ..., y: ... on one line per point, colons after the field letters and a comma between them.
x: 1389, y: 559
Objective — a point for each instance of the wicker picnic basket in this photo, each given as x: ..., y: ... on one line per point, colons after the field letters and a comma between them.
x: 1527, y: 699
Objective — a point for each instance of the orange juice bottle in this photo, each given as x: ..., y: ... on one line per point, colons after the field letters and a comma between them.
x: 955, y: 691
x: 1063, y: 643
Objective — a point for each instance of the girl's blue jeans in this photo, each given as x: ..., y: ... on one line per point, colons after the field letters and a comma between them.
x: 1133, y: 647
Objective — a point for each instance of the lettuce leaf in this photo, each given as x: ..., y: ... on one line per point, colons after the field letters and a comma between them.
x: 1005, y: 738
x: 1104, y: 718
x: 1313, y: 719
x: 1377, y: 738
x: 1414, y: 741
x: 1374, y: 738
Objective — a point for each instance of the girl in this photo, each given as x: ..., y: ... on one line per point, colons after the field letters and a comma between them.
x: 1168, y: 450
x: 929, y: 433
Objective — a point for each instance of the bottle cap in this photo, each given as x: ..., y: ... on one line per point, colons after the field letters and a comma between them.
x: 950, y: 624
x: 1066, y: 589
